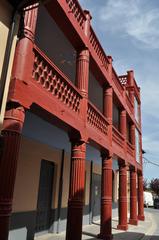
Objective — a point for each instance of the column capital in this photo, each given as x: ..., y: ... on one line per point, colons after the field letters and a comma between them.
x: 24, y: 56
x: 106, y: 154
x: 14, y: 118
x: 28, y: 22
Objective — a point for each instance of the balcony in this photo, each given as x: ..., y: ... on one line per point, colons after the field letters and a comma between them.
x: 97, y: 50
x: 96, y: 119
x: 50, y: 78
x: 117, y: 82
x: 118, y: 139
x: 130, y: 150
x: 78, y: 14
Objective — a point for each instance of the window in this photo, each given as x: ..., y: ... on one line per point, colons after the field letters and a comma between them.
x: 136, y: 110
x: 116, y: 116
x: 129, y: 131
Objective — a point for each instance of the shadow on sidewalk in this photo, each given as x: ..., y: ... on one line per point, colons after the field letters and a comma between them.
x: 122, y: 236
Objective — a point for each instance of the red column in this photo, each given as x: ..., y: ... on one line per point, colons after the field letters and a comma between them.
x: 76, y: 192
x: 24, y: 56
x: 108, y: 104
x: 133, y: 197
x: 123, y: 122
x: 140, y: 198
x: 132, y: 134
x: 82, y: 69
x: 11, y: 133
x: 131, y: 85
x: 106, y: 198
x: 106, y: 181
x: 122, y: 197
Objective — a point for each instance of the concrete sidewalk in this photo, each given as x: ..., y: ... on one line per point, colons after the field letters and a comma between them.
x: 139, y: 232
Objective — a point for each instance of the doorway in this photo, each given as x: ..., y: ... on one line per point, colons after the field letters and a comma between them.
x: 96, y: 196
x: 44, y: 203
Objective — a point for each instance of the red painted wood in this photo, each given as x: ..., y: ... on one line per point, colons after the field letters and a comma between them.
x: 76, y: 192
x: 24, y: 57
x: 71, y: 106
x: 133, y: 198
x: 82, y: 77
x: 11, y: 134
x: 140, y: 198
x: 131, y: 85
x: 122, y: 197
x: 106, y: 198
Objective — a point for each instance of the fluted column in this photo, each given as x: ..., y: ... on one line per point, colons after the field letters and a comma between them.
x: 131, y: 85
x: 108, y: 103
x: 140, y: 198
x: 76, y: 192
x: 82, y: 69
x: 11, y: 134
x: 122, y: 207
x: 132, y: 134
x: 82, y: 78
x: 106, y: 198
x: 133, y: 197
x: 24, y: 56
x: 123, y: 122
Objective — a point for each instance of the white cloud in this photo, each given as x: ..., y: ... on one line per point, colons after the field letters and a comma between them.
x: 131, y: 18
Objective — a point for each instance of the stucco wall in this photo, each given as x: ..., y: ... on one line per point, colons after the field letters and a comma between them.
x: 6, y: 12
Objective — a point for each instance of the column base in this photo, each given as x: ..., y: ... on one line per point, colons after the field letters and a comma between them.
x: 133, y: 221
x: 105, y: 237
x: 122, y: 227
x: 141, y: 218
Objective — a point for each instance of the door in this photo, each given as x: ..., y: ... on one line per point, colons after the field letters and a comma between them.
x: 96, y: 196
x: 45, y: 196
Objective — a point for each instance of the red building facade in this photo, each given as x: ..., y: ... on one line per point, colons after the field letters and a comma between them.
x: 39, y: 85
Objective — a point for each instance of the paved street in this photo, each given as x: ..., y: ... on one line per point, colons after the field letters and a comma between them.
x: 155, y: 218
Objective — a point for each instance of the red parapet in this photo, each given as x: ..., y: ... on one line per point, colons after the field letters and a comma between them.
x: 96, y: 47
x: 123, y: 80
x: 130, y: 149
x: 76, y: 10
x: 96, y: 119
x: 129, y: 103
x: 118, y: 138
x: 46, y: 73
x: 117, y: 82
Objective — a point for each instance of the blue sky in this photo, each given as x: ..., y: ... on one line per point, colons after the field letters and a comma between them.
x: 129, y: 31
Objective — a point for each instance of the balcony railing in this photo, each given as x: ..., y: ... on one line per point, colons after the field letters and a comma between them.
x: 96, y: 119
x: 46, y: 74
x: 117, y: 82
x: 123, y: 80
x: 130, y: 149
x: 97, y: 48
x: 118, y: 137
x: 129, y: 103
x: 76, y: 10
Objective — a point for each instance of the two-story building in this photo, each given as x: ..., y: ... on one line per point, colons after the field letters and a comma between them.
x: 71, y: 134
